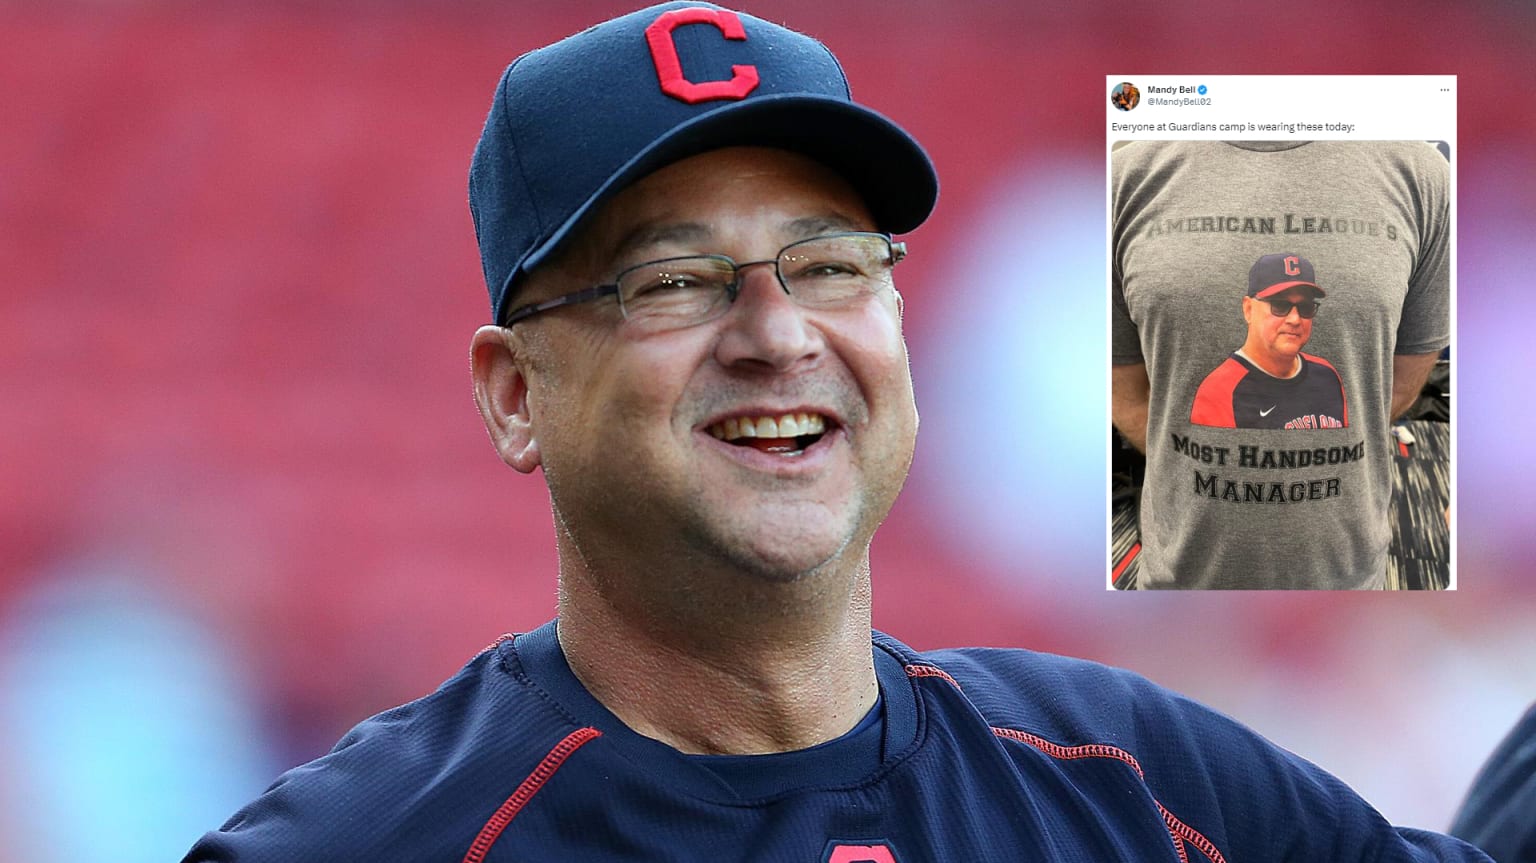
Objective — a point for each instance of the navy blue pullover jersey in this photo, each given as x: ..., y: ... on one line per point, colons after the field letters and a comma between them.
x: 1499, y: 814
x: 983, y: 755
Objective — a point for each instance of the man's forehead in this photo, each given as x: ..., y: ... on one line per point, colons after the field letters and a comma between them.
x: 778, y: 193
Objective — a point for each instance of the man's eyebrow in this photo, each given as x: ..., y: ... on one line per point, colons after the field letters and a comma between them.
x: 664, y: 233
x: 814, y: 226
x: 659, y: 233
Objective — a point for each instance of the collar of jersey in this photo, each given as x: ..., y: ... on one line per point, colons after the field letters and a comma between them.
x: 1292, y: 381
x: 538, y: 656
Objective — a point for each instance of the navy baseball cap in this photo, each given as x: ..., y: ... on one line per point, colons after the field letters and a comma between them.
x: 1273, y: 274
x: 575, y: 122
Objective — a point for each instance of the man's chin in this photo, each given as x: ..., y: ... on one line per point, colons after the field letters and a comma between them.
x: 782, y: 548
x: 790, y: 562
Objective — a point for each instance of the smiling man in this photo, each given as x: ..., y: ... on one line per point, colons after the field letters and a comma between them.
x: 1269, y: 382
x: 739, y: 417
x: 685, y: 224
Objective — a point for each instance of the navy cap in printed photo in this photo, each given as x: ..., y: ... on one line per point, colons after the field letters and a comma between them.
x: 576, y: 122
x: 1273, y: 274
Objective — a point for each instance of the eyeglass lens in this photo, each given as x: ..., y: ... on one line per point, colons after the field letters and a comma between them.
x: 822, y: 271
x: 1305, y: 308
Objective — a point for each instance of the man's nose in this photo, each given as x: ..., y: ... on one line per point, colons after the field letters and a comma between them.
x: 766, y: 327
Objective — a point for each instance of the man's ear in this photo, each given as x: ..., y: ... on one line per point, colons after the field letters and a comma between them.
x: 501, y: 392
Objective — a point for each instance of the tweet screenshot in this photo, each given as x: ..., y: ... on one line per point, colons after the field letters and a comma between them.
x: 1282, y: 260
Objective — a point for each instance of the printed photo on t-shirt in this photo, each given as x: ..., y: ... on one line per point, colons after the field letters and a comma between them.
x: 1270, y: 382
x: 1276, y: 309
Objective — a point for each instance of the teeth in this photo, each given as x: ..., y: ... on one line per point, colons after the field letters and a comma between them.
x: 785, y: 426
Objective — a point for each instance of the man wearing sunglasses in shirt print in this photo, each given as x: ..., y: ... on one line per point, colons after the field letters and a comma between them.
x: 1268, y: 382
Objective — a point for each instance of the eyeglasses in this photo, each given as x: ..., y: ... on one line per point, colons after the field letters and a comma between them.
x: 822, y: 272
x: 1281, y: 308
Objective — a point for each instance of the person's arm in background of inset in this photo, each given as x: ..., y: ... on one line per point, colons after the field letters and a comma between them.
x: 1130, y: 390
x: 1409, y: 373
x: 1130, y: 385
x: 1425, y: 326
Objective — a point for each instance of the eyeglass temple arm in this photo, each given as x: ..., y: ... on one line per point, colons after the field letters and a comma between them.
x: 581, y: 296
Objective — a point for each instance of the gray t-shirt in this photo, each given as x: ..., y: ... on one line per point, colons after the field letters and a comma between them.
x: 1228, y: 506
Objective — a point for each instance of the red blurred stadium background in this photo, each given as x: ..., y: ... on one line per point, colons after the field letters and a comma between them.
x: 242, y: 279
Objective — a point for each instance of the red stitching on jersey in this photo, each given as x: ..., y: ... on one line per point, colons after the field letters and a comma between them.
x: 930, y: 671
x: 1067, y: 753
x: 1189, y: 834
x: 1178, y: 831
x: 529, y: 787
x: 500, y: 640
x: 1177, y: 845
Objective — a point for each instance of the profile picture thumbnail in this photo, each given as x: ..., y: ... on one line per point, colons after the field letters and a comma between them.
x: 1124, y: 96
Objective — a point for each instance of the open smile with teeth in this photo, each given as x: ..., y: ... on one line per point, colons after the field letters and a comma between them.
x: 788, y: 434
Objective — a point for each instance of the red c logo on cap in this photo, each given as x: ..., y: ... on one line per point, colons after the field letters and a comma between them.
x: 669, y: 69
x: 1290, y: 266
